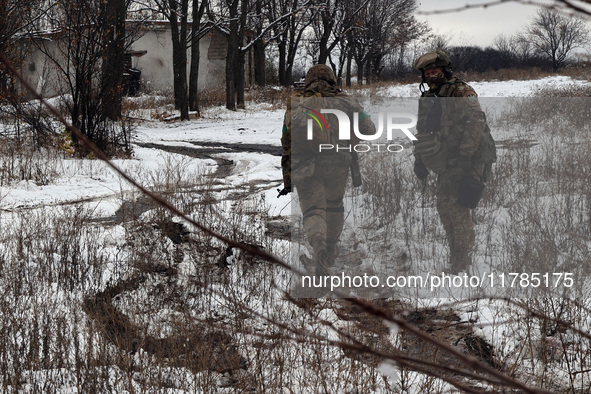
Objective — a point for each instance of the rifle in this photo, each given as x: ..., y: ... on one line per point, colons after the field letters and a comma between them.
x: 355, y: 170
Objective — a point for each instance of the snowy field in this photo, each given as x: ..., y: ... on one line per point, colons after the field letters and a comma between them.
x: 253, y: 126
x: 106, y: 292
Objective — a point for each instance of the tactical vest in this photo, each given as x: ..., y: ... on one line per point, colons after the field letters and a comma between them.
x: 308, y: 106
x: 431, y: 144
x: 441, y: 131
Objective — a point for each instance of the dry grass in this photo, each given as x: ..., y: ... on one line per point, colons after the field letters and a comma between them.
x: 86, y: 312
x: 212, y: 97
x: 535, y: 217
x: 162, y: 106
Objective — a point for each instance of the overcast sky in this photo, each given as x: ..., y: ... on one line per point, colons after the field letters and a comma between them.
x: 477, y: 26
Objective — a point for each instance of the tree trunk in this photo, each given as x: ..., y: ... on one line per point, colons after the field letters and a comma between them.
x: 289, y: 75
x: 239, y: 78
x: 179, y: 59
x: 239, y: 81
x: 198, y: 12
x: 233, y: 39
x: 323, y: 50
x: 194, y: 76
x: 282, y: 47
x: 230, y: 65
x: 401, y: 60
x: 349, y: 63
x: 249, y: 78
x: 292, y: 50
x: 360, y: 70
x: 376, y: 67
x: 113, y: 59
x: 180, y: 80
x: 179, y: 65
x: 259, y: 63
x: 259, y: 49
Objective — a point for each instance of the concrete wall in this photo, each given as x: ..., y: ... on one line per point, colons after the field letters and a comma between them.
x: 155, y: 64
x: 41, y: 72
x: 216, y: 60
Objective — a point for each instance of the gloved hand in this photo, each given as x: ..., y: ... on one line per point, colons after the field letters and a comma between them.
x: 283, y: 192
x: 464, y: 162
x: 420, y: 170
x: 286, y: 179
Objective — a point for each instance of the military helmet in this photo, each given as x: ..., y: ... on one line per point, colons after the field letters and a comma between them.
x: 432, y: 59
x: 320, y: 72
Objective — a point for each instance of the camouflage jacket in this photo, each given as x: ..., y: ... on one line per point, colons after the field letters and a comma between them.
x: 463, y: 123
x: 319, y: 88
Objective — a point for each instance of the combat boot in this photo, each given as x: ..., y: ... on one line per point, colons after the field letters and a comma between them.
x: 459, y: 261
x: 332, y: 252
x: 322, y: 266
x: 320, y: 255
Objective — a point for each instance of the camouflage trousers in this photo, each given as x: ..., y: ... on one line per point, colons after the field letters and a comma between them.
x: 456, y: 219
x: 321, y: 201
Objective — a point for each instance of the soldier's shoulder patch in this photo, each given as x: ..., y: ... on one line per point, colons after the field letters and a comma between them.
x: 472, y: 98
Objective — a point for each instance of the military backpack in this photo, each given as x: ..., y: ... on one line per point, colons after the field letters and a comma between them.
x: 310, y: 128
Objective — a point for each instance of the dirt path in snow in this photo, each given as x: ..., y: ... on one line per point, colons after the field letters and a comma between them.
x: 199, y: 349
x: 445, y: 325
x: 209, y: 150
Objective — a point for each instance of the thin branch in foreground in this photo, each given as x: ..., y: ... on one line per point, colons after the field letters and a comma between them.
x: 560, y: 5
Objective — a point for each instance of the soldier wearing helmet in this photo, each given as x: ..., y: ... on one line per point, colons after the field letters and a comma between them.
x: 320, y: 78
x: 435, y: 67
x: 321, y: 178
x: 458, y: 127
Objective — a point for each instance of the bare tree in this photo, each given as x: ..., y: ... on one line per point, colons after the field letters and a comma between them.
x: 407, y: 32
x: 439, y: 41
x: 86, y: 34
x: 503, y: 43
x: 113, y: 14
x: 16, y: 17
x: 380, y: 27
x: 518, y: 46
x: 289, y: 32
x: 186, y: 27
x: 177, y: 14
x: 331, y: 23
x: 554, y: 33
x: 230, y: 17
x: 566, y: 7
x: 233, y: 24
x: 242, y: 22
x: 330, y: 19
x: 522, y: 47
x: 555, y: 36
x: 259, y: 46
x: 197, y: 32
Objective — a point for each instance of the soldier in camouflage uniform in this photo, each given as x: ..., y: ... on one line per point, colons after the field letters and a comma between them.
x: 321, y: 178
x: 463, y: 125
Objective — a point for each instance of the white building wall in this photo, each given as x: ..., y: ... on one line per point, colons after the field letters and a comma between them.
x: 42, y: 73
x: 156, y: 65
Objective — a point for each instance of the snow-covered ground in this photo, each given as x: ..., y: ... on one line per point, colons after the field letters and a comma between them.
x: 87, y: 180
x: 242, y: 148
